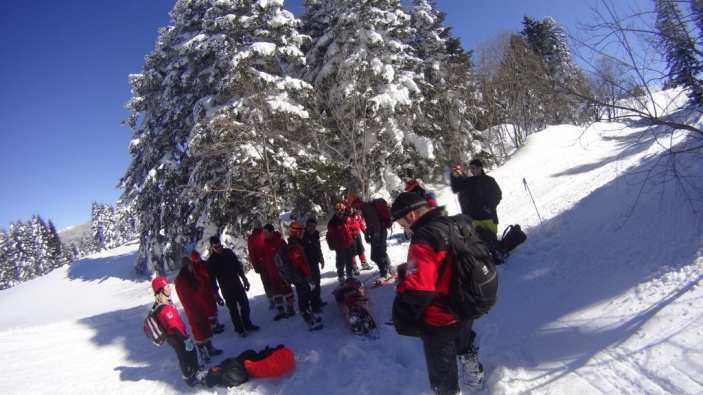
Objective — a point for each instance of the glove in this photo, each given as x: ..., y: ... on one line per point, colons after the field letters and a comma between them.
x: 220, y: 301
x: 322, y: 263
x: 367, y: 237
x: 189, y: 344
x: 257, y: 270
x: 376, y: 239
x: 487, y: 209
x: 246, y: 285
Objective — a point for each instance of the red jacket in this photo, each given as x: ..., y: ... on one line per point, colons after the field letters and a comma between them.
x: 421, y: 289
x: 206, y: 289
x: 356, y: 223
x: 277, y: 364
x: 255, y: 245
x: 271, y: 247
x: 297, y: 257
x: 195, y: 305
x: 172, y: 322
x: 338, y: 232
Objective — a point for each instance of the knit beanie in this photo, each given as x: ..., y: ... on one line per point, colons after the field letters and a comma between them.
x: 185, y: 261
x: 405, y: 203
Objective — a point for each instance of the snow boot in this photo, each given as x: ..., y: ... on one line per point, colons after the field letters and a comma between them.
x: 356, y: 270
x: 211, y: 350
x: 271, y: 304
x: 218, y: 328
x: 473, y: 370
x: 281, y: 313
x: 203, y: 352
x: 313, y: 323
x: 365, y: 265
x: 340, y: 280
x: 290, y: 311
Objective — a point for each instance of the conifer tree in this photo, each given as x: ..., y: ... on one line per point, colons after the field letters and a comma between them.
x: 449, y: 109
x: 364, y: 74
x: 217, y: 122
x: 684, y: 67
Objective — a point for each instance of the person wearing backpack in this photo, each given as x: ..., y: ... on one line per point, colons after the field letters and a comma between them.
x: 376, y: 235
x: 420, y: 307
x: 340, y: 237
x: 226, y: 270
x: 188, y: 288
x: 302, y: 276
x: 282, y: 291
x: 479, y: 196
x: 177, y: 336
x: 313, y: 251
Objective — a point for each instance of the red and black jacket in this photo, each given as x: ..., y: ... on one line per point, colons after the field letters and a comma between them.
x: 421, y: 291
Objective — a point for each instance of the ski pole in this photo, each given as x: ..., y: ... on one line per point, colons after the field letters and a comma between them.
x: 527, y: 188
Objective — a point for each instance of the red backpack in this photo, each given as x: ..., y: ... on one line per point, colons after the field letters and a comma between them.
x: 384, y: 212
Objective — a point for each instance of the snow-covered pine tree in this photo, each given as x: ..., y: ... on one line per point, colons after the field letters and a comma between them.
x: 5, y: 264
x: 559, y: 77
x: 450, y: 107
x: 363, y: 72
x: 220, y: 124
x: 683, y: 62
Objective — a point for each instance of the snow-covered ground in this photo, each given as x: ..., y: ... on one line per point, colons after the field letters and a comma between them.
x: 602, y: 298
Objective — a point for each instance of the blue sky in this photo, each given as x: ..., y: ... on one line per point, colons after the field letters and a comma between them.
x: 63, y: 84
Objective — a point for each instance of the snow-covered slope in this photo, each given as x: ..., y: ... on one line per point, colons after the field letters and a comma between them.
x: 602, y: 298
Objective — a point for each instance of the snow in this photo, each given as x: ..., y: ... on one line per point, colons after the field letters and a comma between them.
x: 602, y: 298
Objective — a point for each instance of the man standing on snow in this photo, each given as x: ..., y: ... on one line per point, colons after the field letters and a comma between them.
x: 226, y: 270
x: 376, y: 235
x: 479, y: 196
x: 423, y: 284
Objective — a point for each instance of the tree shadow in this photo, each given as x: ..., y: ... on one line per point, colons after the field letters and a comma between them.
x: 547, y: 303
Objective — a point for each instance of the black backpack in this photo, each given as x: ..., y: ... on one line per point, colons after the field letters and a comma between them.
x: 285, y: 267
x: 513, y: 236
x: 494, y: 247
x: 229, y: 373
x: 474, y: 288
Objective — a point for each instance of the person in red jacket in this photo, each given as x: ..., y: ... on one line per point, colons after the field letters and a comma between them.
x: 302, y: 278
x: 212, y: 298
x: 255, y: 246
x: 282, y: 292
x: 424, y: 284
x: 188, y: 288
x: 177, y: 336
x: 356, y: 227
x: 339, y: 239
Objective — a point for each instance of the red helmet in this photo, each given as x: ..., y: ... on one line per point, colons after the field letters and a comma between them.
x: 158, y: 284
x: 195, y: 256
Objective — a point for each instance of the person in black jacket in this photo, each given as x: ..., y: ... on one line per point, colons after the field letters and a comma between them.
x: 313, y: 250
x: 226, y: 270
x: 479, y: 195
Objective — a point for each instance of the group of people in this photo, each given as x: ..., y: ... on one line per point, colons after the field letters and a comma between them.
x: 420, y: 289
